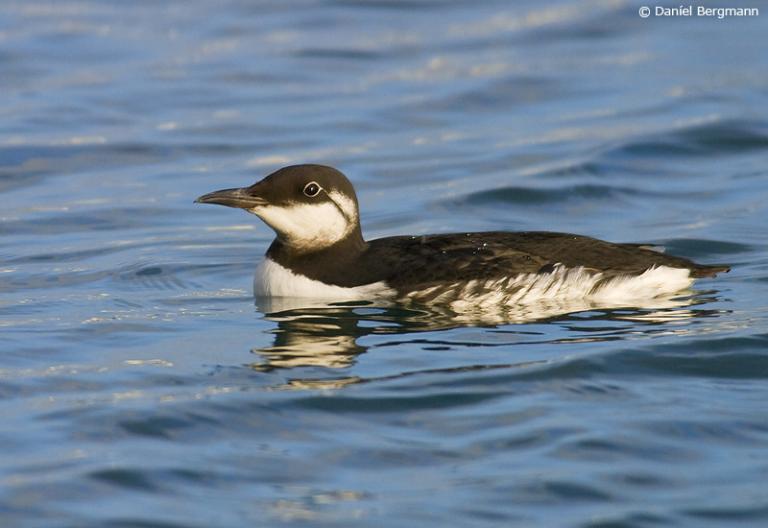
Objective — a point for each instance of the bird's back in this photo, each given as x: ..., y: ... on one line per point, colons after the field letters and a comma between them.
x: 409, y: 263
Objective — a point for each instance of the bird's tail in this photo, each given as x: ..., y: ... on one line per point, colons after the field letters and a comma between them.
x: 709, y: 271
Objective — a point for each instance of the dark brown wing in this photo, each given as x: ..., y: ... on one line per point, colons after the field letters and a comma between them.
x: 411, y: 262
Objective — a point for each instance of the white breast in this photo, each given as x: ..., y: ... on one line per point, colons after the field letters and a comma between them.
x: 273, y: 280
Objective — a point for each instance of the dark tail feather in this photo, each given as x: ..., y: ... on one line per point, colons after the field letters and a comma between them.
x: 708, y: 271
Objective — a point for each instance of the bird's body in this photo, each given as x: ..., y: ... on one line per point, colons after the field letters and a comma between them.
x: 320, y: 252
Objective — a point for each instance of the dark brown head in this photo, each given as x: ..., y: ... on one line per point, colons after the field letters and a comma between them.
x: 310, y: 207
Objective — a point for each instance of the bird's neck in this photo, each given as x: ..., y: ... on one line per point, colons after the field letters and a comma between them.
x: 348, y: 247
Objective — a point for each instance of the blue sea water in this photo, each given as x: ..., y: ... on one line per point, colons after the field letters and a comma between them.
x: 142, y: 386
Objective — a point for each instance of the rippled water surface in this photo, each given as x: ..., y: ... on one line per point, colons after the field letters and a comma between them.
x: 141, y: 385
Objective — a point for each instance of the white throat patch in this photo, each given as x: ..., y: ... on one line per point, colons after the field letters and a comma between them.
x: 347, y: 206
x: 311, y: 226
x: 306, y: 225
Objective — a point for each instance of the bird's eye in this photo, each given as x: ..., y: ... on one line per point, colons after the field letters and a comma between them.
x: 311, y: 189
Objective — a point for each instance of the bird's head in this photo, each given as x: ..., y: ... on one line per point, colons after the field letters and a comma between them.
x: 310, y: 207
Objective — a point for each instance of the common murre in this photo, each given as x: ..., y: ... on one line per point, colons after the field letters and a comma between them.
x: 320, y: 252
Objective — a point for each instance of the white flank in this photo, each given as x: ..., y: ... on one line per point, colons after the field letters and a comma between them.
x: 565, y: 286
x: 655, y: 282
x: 306, y: 225
x: 273, y: 280
x: 561, y: 291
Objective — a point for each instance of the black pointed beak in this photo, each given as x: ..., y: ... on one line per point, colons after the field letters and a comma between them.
x: 233, y: 198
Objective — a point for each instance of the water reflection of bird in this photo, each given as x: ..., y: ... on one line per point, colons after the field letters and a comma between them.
x: 320, y: 252
x: 314, y: 334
